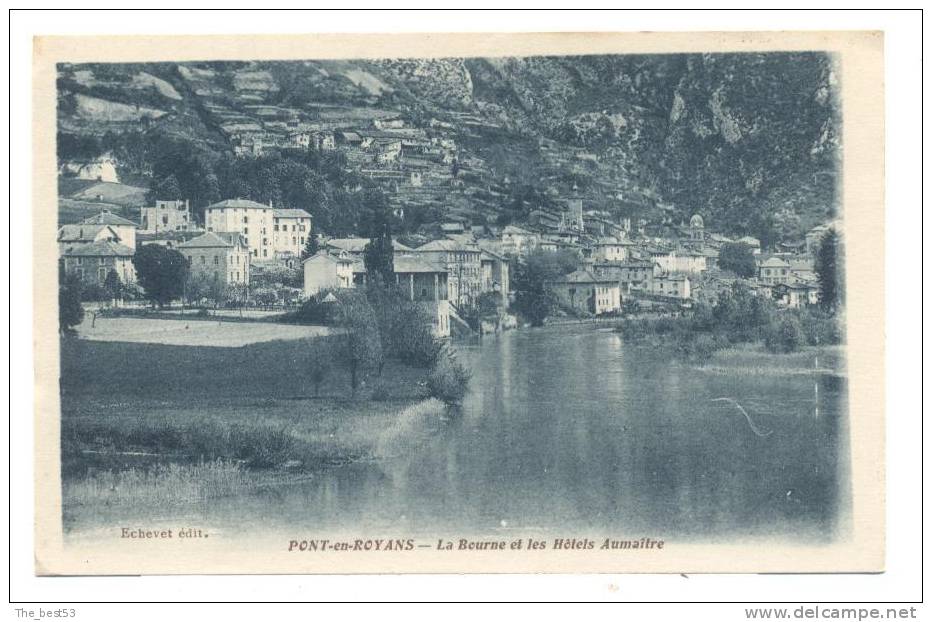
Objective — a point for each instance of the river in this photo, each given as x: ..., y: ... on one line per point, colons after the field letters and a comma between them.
x: 568, y: 430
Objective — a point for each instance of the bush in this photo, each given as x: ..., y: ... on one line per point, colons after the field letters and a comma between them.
x: 405, y: 327
x: 70, y: 311
x: 448, y: 380
x: 820, y: 328
x: 92, y: 292
x: 701, y: 347
x: 380, y: 393
x: 320, y: 357
x: 738, y: 258
x: 412, y: 338
x: 785, y: 335
x: 315, y: 311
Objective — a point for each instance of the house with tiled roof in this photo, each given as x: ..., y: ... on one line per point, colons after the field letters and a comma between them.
x: 73, y: 236
x: 679, y: 261
x: 219, y: 256
x: 167, y: 216
x: 671, y: 286
x: 329, y: 270
x: 92, y: 262
x: 496, y: 273
x: 125, y: 228
x: 518, y: 242
x: 753, y: 242
x: 587, y: 292
x: 774, y: 271
x: 796, y: 295
x: 610, y: 248
x: 357, y: 246
x: 632, y: 274
x: 462, y: 260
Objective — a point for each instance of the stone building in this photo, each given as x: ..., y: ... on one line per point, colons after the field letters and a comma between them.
x: 167, y: 216
x: 461, y: 260
x: 250, y: 219
x: 93, y: 261
x: 221, y: 256
x: 290, y: 230
x: 328, y: 271
x: 588, y: 293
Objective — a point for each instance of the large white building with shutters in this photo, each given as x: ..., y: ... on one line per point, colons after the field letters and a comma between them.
x: 268, y: 232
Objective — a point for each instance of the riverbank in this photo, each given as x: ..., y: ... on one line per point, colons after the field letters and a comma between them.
x: 150, y: 423
x: 755, y: 360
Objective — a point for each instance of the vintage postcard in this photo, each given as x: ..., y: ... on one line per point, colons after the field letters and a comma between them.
x: 459, y: 303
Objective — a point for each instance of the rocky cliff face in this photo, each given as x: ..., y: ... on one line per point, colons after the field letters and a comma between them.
x: 735, y: 138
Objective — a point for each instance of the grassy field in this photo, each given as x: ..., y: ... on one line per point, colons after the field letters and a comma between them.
x: 143, y: 422
x: 754, y: 359
x: 192, y: 332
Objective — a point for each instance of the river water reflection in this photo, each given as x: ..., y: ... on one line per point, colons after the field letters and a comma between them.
x: 568, y: 430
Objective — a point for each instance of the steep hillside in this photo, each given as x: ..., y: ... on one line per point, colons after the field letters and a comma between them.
x: 751, y: 142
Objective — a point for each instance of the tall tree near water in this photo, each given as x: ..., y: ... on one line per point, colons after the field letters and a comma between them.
x: 379, y: 255
x: 829, y: 270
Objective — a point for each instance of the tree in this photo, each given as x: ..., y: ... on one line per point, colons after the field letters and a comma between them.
x: 379, y: 254
x: 405, y: 327
x: 488, y: 304
x: 448, y: 380
x: 785, y: 335
x: 737, y: 257
x: 113, y: 285
x: 741, y: 314
x: 786, y: 224
x: 362, y: 345
x: 533, y: 297
x: 319, y: 361
x: 311, y: 247
x: 165, y: 189
x: 161, y: 272
x: 829, y: 270
x: 70, y: 311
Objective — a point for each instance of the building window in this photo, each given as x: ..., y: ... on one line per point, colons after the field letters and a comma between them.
x: 203, y: 259
x: 216, y: 260
x: 275, y: 228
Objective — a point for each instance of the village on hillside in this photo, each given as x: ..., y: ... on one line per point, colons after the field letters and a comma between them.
x: 256, y: 255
